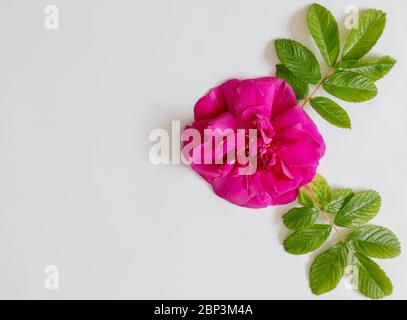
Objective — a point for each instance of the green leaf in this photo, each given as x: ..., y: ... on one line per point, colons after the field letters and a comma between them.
x: 324, y: 29
x: 350, y: 86
x: 304, y: 199
x: 299, y: 218
x: 328, y: 269
x: 371, y: 280
x: 375, y: 241
x: 371, y: 69
x: 320, y: 191
x: 361, y: 40
x: 299, y: 60
x: 331, y: 112
x: 307, y: 239
x: 339, y: 199
x: 300, y: 87
x: 360, y: 209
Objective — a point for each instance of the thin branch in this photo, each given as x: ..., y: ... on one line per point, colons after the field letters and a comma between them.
x: 322, y: 211
x: 330, y: 71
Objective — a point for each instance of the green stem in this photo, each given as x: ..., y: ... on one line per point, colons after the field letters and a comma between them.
x: 324, y: 214
x: 319, y: 85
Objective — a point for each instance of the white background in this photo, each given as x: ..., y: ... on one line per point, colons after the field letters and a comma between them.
x: 77, y: 189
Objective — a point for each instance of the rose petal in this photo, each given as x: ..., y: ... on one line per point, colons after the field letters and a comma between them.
x: 284, y: 98
x: 297, y: 117
x: 210, y: 171
x: 223, y: 122
x: 229, y: 89
x: 245, y: 191
x: 210, y: 105
x: 298, y: 147
x: 231, y: 188
x: 277, y: 184
x: 255, y: 93
x: 285, y: 198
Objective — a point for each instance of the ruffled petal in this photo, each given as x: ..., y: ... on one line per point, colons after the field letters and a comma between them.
x: 223, y: 122
x: 284, y: 98
x: 211, y: 171
x: 210, y: 105
x: 216, y: 101
x: 277, y: 184
x: 259, y: 198
x: 255, y: 93
x: 229, y: 89
x: 199, y: 125
x: 245, y: 191
x: 285, y: 198
x: 231, y: 188
x: 297, y: 147
x: 298, y: 118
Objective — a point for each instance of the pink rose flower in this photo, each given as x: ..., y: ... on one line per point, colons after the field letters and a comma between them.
x: 289, y: 145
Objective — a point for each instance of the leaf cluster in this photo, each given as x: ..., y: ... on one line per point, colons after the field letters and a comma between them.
x: 338, y: 210
x: 350, y: 78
